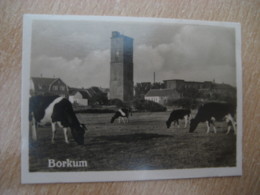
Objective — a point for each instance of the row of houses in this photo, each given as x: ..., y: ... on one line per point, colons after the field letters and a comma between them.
x: 55, y: 86
x: 168, y: 91
x: 162, y: 96
x: 176, y: 89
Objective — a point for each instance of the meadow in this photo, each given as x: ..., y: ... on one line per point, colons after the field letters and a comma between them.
x: 144, y: 143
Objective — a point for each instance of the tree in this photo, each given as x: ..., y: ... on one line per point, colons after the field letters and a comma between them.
x: 99, y: 98
x: 158, y: 85
x: 191, y: 93
x: 141, y: 89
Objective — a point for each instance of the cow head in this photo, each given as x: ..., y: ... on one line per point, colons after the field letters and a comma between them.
x: 168, y: 124
x: 112, y: 119
x: 115, y: 116
x: 78, y: 134
x: 193, y: 124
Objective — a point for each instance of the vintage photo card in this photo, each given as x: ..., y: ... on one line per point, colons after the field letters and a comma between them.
x: 124, y: 98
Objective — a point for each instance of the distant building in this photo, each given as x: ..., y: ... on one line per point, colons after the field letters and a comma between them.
x: 78, y: 97
x: 182, y: 84
x: 174, y: 84
x: 224, y: 89
x: 207, y: 89
x: 121, y: 67
x: 90, y: 96
x: 142, y: 88
x: 162, y: 96
x: 48, y: 86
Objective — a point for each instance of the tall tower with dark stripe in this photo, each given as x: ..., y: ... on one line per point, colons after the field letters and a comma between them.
x: 121, y: 67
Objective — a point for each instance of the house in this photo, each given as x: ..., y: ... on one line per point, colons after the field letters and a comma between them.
x: 48, y: 86
x: 142, y: 88
x: 182, y: 84
x: 162, y: 96
x: 207, y: 89
x: 78, y: 97
x: 90, y: 96
x: 98, y: 95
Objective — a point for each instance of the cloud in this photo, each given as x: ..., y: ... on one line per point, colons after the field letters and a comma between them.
x: 198, y: 47
x: 79, y: 52
x: 195, y: 52
x: 93, y: 70
x: 66, y: 40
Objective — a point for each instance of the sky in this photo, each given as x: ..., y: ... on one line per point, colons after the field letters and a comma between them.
x: 78, y: 52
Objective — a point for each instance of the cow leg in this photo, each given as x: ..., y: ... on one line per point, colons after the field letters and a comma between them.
x: 228, y: 129
x: 53, y: 127
x: 65, y: 130
x: 214, y: 128
x: 208, y: 126
x: 178, y: 123
x: 230, y: 122
x: 186, y: 121
x: 212, y: 121
x: 234, y: 127
x: 189, y: 118
x: 34, y: 134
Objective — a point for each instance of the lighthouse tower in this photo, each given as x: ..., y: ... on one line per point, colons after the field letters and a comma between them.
x: 121, y: 67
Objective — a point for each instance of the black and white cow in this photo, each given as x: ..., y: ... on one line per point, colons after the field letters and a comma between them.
x: 211, y: 112
x: 176, y: 115
x: 55, y: 110
x: 121, y: 114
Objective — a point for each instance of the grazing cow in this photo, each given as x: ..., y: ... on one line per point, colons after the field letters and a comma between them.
x: 178, y: 114
x: 55, y: 110
x: 121, y: 114
x: 211, y: 112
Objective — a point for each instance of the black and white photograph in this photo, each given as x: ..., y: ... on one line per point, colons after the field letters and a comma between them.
x: 124, y: 98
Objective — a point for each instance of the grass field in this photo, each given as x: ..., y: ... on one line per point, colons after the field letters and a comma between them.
x: 142, y: 144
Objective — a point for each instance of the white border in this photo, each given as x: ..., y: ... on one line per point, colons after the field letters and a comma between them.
x: 102, y: 176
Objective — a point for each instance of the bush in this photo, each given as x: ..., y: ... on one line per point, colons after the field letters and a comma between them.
x: 116, y: 102
x: 146, y: 105
x: 119, y: 103
x: 188, y: 103
x: 95, y: 111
